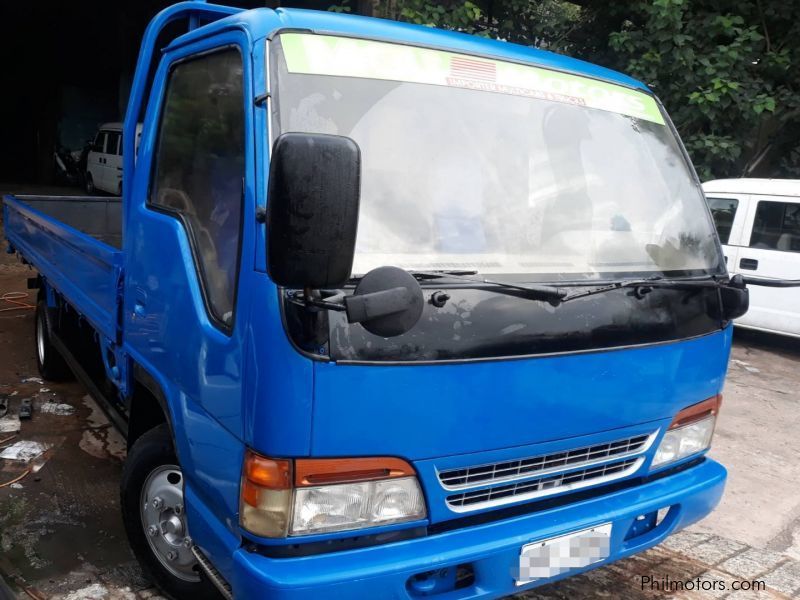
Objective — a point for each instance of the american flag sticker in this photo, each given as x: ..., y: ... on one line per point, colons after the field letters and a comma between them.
x: 468, y: 68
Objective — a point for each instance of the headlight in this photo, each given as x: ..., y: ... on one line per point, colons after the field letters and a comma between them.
x: 305, y: 496
x: 684, y: 441
x: 355, y: 505
x: 690, y: 433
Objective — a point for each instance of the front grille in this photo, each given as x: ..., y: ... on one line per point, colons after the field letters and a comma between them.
x: 542, y: 486
x: 539, y: 465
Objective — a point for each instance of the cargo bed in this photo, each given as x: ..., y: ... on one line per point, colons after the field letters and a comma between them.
x: 75, y: 242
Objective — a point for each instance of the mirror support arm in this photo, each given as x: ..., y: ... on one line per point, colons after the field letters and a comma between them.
x: 365, y: 307
x: 359, y: 308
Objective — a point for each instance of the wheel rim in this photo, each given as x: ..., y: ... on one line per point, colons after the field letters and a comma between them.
x: 40, y: 337
x: 164, y: 522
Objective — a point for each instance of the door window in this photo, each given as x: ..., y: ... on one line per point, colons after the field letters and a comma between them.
x: 112, y: 142
x: 723, y: 210
x: 99, y: 142
x: 199, y: 169
x: 777, y: 226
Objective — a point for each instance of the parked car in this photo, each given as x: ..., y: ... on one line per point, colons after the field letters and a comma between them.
x: 104, y: 161
x: 399, y: 313
x: 758, y: 221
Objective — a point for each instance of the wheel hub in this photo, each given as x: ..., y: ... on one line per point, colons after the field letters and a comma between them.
x: 164, y: 522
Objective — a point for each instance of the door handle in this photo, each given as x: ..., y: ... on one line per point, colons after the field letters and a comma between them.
x: 750, y: 264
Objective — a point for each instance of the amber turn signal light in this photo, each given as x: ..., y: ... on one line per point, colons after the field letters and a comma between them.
x: 698, y: 411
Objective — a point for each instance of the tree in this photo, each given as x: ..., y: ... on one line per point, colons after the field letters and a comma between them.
x: 726, y: 70
x: 544, y: 23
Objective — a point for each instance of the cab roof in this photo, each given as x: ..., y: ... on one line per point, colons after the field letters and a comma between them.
x: 263, y: 23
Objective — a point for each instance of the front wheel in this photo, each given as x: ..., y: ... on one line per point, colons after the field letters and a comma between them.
x: 155, y: 518
x: 90, y: 189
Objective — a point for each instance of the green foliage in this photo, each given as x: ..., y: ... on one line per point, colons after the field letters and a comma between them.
x: 463, y: 16
x: 726, y: 71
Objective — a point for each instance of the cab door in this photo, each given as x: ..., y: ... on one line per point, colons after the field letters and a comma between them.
x: 191, y: 220
x: 771, y: 248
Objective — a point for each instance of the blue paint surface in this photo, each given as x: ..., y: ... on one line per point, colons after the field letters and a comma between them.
x: 252, y: 388
x: 469, y: 407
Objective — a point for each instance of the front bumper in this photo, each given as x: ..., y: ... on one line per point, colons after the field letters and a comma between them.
x: 491, y: 549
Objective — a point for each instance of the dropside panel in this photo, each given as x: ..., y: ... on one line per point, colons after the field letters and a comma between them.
x: 82, y: 268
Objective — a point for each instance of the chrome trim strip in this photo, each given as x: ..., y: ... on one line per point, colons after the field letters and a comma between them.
x: 549, y: 471
x: 512, y: 499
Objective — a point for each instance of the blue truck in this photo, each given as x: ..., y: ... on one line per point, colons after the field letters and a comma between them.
x: 388, y: 312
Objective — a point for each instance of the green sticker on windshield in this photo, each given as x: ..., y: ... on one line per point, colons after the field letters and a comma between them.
x: 350, y: 57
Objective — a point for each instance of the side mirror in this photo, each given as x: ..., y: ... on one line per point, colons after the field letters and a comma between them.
x: 735, y: 298
x: 312, y: 209
x: 387, y: 302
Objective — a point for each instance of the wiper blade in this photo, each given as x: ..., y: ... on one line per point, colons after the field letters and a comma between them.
x: 437, y: 274
x: 532, y: 292
x: 647, y: 284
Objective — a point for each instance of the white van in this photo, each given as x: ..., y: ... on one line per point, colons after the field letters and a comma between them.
x: 758, y: 221
x: 104, y: 162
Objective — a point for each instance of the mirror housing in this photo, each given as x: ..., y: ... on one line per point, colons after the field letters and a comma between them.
x: 387, y: 302
x: 735, y: 298
x: 312, y: 209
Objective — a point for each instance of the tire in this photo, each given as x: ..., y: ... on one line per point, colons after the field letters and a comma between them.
x: 51, y: 365
x: 90, y: 189
x: 150, y: 493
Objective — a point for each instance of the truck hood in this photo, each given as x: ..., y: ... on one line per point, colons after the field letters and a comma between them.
x: 427, y: 411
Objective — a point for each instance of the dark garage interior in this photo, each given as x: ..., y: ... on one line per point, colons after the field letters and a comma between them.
x: 66, y: 68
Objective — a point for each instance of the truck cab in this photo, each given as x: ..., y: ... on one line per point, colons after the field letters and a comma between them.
x: 387, y: 311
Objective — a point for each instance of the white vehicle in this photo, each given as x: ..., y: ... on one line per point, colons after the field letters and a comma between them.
x: 758, y: 221
x: 104, y: 162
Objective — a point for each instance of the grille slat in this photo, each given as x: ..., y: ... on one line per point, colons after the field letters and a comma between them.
x: 518, y: 491
x: 532, y: 466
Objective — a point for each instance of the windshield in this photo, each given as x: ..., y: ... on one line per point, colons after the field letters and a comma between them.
x: 506, y: 169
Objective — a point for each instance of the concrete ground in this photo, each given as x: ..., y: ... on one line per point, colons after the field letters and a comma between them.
x: 61, y: 534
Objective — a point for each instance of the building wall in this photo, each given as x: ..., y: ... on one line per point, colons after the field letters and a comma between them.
x: 65, y: 67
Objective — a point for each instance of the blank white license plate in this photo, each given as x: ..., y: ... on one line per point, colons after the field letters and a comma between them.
x: 559, y: 555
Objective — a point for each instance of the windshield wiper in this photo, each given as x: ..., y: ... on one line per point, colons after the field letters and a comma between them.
x: 549, y: 293
x: 646, y: 285
x: 557, y: 295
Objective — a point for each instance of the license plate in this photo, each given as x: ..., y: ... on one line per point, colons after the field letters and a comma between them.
x: 559, y: 555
